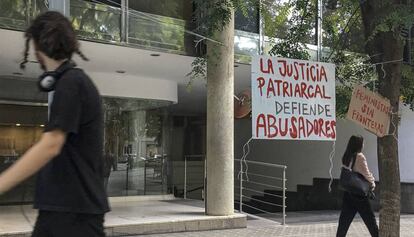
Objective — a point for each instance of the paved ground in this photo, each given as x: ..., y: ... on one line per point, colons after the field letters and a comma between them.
x: 144, y: 214
x: 118, y: 181
x: 326, y: 227
x: 299, y: 224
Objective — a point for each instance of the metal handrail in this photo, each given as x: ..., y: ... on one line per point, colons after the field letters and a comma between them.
x: 257, y: 200
x: 241, y: 174
x: 186, y: 157
x: 264, y: 176
x: 195, y: 189
x: 264, y: 193
x: 195, y: 156
x: 264, y: 164
x: 266, y: 185
x: 258, y: 209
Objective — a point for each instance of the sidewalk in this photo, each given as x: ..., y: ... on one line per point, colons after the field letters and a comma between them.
x: 132, y: 217
x: 302, y: 224
x: 155, y: 216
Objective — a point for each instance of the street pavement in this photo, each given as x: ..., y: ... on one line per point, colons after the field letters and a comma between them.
x: 312, y: 228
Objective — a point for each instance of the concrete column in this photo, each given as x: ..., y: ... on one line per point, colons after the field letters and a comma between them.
x: 220, y: 121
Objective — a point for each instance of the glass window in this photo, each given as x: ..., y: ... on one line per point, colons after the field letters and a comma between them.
x: 96, y: 21
x: 20, y: 128
x: 136, y: 147
x: 13, y: 14
x: 180, y: 9
x: 249, y: 22
x: 113, y: 3
x: 23, y: 112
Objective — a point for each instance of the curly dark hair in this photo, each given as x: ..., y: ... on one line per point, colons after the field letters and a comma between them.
x: 52, y: 34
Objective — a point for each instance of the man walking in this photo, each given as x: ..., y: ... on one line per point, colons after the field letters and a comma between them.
x: 70, y: 192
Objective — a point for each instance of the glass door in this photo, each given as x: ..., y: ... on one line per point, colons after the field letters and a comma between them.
x: 135, y: 147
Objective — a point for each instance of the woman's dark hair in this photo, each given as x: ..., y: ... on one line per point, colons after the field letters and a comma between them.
x: 52, y: 34
x: 355, y: 145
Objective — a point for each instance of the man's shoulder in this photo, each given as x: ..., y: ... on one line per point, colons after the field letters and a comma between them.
x: 75, y: 74
x: 74, y: 78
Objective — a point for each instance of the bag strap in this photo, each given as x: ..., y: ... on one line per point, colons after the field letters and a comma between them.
x: 353, y: 162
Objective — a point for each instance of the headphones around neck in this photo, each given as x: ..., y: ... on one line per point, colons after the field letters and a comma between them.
x: 47, y: 81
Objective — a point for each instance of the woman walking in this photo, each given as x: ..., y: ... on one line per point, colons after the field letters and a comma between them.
x: 351, y: 203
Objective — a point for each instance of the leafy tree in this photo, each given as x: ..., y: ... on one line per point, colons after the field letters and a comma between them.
x: 383, y: 21
x: 365, y: 44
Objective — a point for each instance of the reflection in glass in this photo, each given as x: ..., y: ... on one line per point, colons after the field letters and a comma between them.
x: 20, y: 128
x: 135, y: 151
x: 15, y: 14
x: 96, y: 21
x: 247, y: 22
x: 179, y: 9
x: 158, y: 32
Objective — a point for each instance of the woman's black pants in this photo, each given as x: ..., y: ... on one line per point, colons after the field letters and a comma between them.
x: 350, y: 206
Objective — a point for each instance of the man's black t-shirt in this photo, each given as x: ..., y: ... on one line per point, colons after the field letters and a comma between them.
x: 73, y: 181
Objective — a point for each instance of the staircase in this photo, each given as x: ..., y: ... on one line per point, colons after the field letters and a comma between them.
x: 306, y: 198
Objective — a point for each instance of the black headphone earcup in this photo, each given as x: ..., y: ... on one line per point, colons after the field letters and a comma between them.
x: 47, y: 83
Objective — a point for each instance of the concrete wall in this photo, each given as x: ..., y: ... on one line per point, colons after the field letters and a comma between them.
x: 127, y: 86
x: 308, y: 160
x: 406, y: 146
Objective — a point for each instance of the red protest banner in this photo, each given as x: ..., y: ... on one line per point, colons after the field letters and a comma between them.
x: 293, y: 99
x: 370, y: 110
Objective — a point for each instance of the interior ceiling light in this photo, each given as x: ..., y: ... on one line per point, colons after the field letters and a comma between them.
x: 18, y: 124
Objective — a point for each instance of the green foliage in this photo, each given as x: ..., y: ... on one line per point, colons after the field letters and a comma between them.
x: 342, y: 26
x: 344, y: 35
x: 199, y: 71
x: 14, y: 14
x: 298, y: 32
x: 289, y: 49
x: 275, y: 16
x: 293, y: 23
x: 392, y: 20
x: 351, y: 69
x: 13, y: 9
x: 407, y: 86
x: 242, y: 6
x: 213, y: 15
x: 343, y: 98
x: 96, y: 21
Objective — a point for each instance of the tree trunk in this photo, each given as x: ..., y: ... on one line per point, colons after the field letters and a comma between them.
x: 220, y: 120
x: 390, y: 193
x: 386, y: 47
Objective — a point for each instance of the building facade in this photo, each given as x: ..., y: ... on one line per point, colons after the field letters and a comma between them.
x: 140, y: 53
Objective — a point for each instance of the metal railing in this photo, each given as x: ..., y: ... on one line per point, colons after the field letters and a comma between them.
x: 120, y: 25
x: 260, y: 180
x: 200, y: 158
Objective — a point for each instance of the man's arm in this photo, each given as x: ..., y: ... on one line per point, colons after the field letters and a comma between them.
x: 33, y: 160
